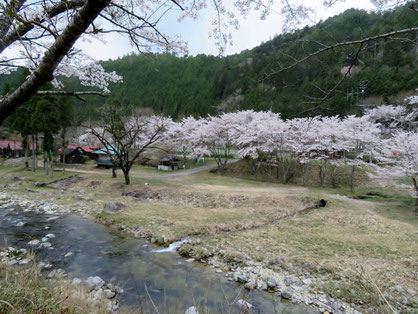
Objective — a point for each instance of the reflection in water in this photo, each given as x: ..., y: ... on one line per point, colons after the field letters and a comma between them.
x: 171, y: 282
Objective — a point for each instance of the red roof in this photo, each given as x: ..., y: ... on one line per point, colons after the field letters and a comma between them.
x: 13, y: 145
x: 68, y: 146
x: 90, y: 149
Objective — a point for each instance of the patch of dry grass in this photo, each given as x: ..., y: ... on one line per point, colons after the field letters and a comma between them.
x: 25, y: 290
x: 347, y: 239
x: 344, y: 241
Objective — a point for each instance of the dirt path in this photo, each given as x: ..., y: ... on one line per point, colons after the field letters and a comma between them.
x: 180, y: 173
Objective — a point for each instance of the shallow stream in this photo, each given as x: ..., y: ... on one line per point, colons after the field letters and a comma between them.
x: 172, y: 283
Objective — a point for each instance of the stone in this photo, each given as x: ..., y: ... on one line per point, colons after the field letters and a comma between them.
x: 250, y: 285
x: 398, y: 288
x: 307, y: 281
x: 192, y: 310
x: 52, y: 273
x: 48, y: 266
x: 238, y: 260
x: 76, y: 281
x: 78, y: 197
x: 114, y: 207
x: 219, y: 271
x: 109, y: 293
x: 411, y: 291
x: 45, y: 245
x: 288, y: 281
x: 68, y: 254
x: 23, y: 261
x: 244, y: 305
x: 271, y: 283
x: 34, y: 242
x: 286, y: 295
x: 93, y: 283
x: 98, y: 294
x: 189, y: 260
x: 309, y: 266
x: 119, y: 290
x: 243, y: 278
x: 20, y: 224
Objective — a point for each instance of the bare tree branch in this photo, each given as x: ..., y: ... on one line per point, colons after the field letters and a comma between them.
x: 63, y: 44
x: 61, y: 7
x: 342, y: 44
x: 69, y: 93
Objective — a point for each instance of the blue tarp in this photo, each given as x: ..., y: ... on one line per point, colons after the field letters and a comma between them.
x: 103, y: 151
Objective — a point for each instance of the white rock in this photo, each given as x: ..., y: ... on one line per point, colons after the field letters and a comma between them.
x: 50, y: 235
x: 45, y: 245
x: 34, y: 242
x: 76, y: 281
x: 192, y: 310
x: 94, y: 282
x: 23, y: 261
x: 52, y: 273
x: 68, y: 254
x: 244, y: 305
x: 109, y: 293
x: 20, y: 224
x: 98, y: 294
x: 307, y: 281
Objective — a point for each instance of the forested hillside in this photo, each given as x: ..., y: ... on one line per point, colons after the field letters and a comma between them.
x: 202, y: 85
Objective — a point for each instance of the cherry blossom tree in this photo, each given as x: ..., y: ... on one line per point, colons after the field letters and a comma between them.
x: 180, y: 135
x: 126, y: 138
x: 211, y: 136
x: 255, y: 136
x: 393, y: 117
x: 398, y: 158
x: 301, y: 140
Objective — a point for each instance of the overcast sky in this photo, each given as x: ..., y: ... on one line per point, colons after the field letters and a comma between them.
x: 252, y: 31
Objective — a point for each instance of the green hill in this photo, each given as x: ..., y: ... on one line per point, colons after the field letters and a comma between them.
x: 202, y: 85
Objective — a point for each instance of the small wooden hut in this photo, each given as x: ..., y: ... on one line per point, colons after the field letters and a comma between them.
x: 73, y: 154
x: 168, y: 164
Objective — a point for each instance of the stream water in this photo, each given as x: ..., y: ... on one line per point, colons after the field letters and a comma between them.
x: 172, y: 283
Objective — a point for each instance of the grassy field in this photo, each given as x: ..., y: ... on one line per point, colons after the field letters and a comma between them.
x: 359, y: 250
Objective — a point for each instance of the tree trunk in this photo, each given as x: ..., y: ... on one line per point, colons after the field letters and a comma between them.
x: 51, y: 173
x: 43, y: 73
x: 33, y: 153
x: 322, y: 168
x: 46, y: 167
x: 26, y: 153
x: 63, y: 159
x: 350, y: 178
x: 127, y: 178
x: 114, y: 174
x: 63, y: 133
x: 416, y: 194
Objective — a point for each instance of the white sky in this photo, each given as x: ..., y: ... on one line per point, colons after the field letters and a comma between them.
x: 252, y: 31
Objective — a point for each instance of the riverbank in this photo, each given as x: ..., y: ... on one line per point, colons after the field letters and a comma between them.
x: 362, y: 252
